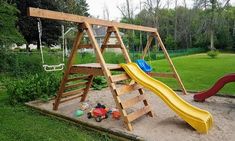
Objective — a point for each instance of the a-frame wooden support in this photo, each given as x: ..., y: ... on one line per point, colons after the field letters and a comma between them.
x: 81, y: 84
x: 174, y: 73
x: 111, y: 79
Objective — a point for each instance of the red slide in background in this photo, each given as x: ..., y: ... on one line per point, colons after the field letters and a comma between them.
x: 201, y: 96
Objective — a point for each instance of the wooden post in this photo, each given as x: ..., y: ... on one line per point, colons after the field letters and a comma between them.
x: 149, y: 41
x: 170, y: 62
x: 106, y: 39
x: 124, y: 50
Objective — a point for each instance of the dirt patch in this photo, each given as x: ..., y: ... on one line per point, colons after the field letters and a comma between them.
x: 165, y: 125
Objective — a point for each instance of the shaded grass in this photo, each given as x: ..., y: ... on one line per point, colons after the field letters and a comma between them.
x: 20, y: 123
x: 199, y: 72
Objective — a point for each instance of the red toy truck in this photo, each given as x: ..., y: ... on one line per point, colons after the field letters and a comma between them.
x: 99, y: 113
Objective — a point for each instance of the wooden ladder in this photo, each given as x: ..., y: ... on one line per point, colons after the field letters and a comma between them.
x: 118, y: 92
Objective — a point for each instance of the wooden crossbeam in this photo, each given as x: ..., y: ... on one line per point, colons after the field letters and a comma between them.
x: 87, y: 46
x: 111, y: 46
x: 48, y: 14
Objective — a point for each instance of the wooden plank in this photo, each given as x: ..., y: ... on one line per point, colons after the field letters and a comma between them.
x: 84, y: 70
x: 75, y: 85
x: 131, y: 102
x: 71, y: 98
x: 149, y: 41
x: 69, y: 93
x: 138, y: 113
x: 87, y: 46
x: 124, y: 51
x: 49, y: 14
x: 128, y: 88
x: 167, y: 75
x: 78, y: 78
x: 91, y: 77
x: 111, y: 46
x: 119, y: 77
x: 98, y: 66
x: 106, y: 39
x: 170, y: 62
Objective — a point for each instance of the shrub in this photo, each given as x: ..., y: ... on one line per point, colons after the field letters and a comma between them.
x: 18, y: 64
x: 213, y: 53
x: 99, y: 83
x: 40, y: 86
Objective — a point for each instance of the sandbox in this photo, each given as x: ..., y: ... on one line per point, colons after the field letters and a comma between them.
x: 165, y: 125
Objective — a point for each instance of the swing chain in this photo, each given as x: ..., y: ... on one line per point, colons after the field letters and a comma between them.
x: 46, y: 67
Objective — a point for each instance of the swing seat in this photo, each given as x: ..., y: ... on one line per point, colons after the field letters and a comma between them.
x: 143, y: 65
x: 49, y: 68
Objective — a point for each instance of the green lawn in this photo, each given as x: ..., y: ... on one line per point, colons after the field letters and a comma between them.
x: 199, y: 72
x: 20, y: 123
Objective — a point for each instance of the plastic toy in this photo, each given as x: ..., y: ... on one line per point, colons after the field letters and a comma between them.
x: 79, y: 113
x: 116, y: 115
x: 99, y: 113
x: 201, y: 96
x: 84, y: 105
x: 144, y: 66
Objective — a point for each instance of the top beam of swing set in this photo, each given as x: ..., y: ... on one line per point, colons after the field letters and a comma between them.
x: 48, y: 14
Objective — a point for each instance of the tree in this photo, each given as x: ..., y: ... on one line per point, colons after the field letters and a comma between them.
x: 51, y: 29
x: 8, y: 31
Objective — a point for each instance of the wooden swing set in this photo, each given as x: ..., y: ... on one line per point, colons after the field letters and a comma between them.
x: 101, y: 68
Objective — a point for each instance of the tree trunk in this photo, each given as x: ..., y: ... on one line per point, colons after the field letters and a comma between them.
x: 27, y: 47
x: 212, y: 40
x: 175, y: 29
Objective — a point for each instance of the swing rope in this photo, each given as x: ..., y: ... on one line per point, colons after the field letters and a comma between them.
x: 47, y: 67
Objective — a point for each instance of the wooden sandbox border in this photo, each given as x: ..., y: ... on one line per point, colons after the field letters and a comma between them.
x: 111, y: 132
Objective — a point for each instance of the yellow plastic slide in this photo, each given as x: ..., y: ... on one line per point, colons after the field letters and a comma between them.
x: 199, y: 119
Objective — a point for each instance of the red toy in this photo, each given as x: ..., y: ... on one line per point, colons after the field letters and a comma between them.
x: 201, y: 96
x: 99, y: 113
x: 116, y: 115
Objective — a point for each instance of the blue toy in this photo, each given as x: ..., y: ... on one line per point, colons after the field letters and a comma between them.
x: 143, y: 65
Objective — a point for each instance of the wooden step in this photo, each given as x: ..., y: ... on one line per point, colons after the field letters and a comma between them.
x: 87, y: 46
x: 127, y: 89
x: 76, y: 85
x: 131, y: 102
x: 111, y: 46
x: 71, y: 98
x: 78, y: 78
x: 138, y: 113
x: 119, y: 77
x: 74, y: 92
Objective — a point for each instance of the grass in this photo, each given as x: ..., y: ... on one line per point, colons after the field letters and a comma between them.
x: 199, y: 72
x: 20, y: 123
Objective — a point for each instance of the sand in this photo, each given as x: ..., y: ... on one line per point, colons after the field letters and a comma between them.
x: 165, y: 125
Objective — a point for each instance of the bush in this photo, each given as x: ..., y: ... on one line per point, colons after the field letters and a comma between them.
x: 99, y: 83
x: 40, y: 86
x: 19, y: 64
x: 213, y: 53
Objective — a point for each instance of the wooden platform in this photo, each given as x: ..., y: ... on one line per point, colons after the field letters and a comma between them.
x: 93, y: 68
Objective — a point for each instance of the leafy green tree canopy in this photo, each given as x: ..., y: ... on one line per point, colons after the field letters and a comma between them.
x: 8, y: 31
